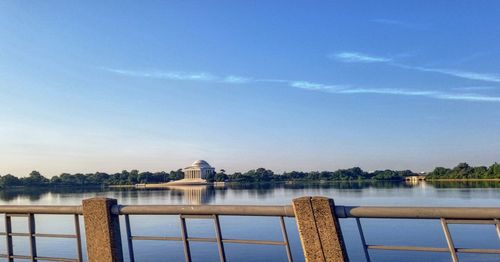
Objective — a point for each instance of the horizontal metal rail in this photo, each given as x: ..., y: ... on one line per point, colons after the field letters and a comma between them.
x: 39, y: 258
x: 41, y: 210
x: 435, y: 249
x: 38, y: 235
x: 465, y: 213
x: 209, y: 239
x: 207, y: 210
x: 479, y: 213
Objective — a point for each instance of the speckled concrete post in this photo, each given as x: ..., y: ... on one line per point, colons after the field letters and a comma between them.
x: 102, y: 230
x: 319, y: 229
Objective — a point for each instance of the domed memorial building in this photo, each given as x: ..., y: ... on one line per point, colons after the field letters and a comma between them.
x: 199, y: 169
x: 195, y: 174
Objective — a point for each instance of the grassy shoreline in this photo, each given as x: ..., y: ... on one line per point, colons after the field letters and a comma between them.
x: 464, y: 179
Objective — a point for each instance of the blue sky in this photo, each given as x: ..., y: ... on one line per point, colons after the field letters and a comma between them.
x: 105, y: 86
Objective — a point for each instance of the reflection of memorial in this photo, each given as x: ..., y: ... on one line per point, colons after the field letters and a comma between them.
x: 194, y: 194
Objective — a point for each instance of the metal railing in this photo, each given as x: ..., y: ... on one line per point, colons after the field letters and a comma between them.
x: 205, y: 212
x: 448, y: 215
x: 29, y: 212
x: 312, y: 221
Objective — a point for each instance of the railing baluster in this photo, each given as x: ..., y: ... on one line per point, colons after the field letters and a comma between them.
x: 285, y: 239
x: 184, y: 235
x: 218, y: 235
x: 8, y: 237
x: 497, y: 226
x: 31, y: 231
x: 363, y: 240
x: 78, y: 238
x: 449, y: 240
x: 129, y: 239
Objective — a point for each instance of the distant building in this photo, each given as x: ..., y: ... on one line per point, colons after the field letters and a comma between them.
x: 195, y: 174
x: 415, y: 179
x: 200, y: 169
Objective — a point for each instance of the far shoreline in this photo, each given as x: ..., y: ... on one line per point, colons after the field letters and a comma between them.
x: 464, y: 179
x: 336, y: 181
x: 91, y: 186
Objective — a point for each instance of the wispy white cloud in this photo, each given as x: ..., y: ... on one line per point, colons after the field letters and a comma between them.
x: 178, y: 75
x: 424, y: 93
x: 389, y: 91
x: 315, y: 86
x: 474, y: 88
x: 461, y: 74
x: 236, y: 79
x: 170, y: 75
x: 469, y: 97
x: 353, y: 57
x: 421, y: 93
x: 305, y: 85
x: 344, y: 89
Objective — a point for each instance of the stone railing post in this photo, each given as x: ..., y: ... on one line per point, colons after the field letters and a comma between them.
x: 102, y: 230
x: 319, y: 229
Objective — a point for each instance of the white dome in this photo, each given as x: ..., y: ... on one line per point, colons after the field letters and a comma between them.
x: 200, y: 163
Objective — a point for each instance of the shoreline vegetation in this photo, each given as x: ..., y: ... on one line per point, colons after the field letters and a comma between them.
x: 462, y: 172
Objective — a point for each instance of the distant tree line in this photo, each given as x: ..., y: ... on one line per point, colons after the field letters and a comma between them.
x: 91, y: 179
x: 136, y: 177
x: 464, y: 171
x: 352, y: 174
x: 461, y: 171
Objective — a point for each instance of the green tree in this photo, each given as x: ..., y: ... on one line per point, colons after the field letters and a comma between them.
x: 221, y: 176
x: 176, y: 175
x: 133, y: 177
x: 9, y: 181
x: 34, y: 179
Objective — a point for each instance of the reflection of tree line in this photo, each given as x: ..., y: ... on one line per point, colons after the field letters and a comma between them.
x: 186, y: 195
x: 320, y: 185
x: 194, y: 195
x: 206, y: 194
x: 464, y: 184
x: 34, y: 194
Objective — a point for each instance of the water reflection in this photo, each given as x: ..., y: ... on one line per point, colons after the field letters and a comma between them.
x: 34, y: 194
x: 464, y: 184
x: 194, y: 194
x: 206, y: 194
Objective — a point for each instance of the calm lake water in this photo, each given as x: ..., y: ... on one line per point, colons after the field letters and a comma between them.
x: 377, y: 231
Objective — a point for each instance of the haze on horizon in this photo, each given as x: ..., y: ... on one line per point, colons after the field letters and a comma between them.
x: 108, y: 86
